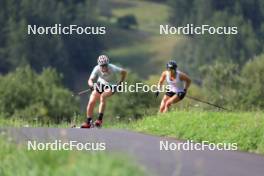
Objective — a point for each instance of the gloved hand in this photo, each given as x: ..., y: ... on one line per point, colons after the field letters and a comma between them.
x: 91, y: 87
x: 157, y: 93
x: 182, y: 94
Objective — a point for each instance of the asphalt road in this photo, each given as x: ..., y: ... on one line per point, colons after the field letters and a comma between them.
x: 145, y: 149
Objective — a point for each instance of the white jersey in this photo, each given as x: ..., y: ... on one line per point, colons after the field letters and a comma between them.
x: 176, y: 84
x: 111, y: 77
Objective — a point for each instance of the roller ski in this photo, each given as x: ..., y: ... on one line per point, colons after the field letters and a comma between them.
x: 89, y: 125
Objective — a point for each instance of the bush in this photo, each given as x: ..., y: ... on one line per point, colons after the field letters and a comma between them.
x: 220, y: 83
x: 127, y: 21
x: 225, y: 84
x: 253, y: 83
x: 132, y: 105
x: 28, y: 95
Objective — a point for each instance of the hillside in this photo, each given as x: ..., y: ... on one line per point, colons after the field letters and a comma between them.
x: 146, y: 48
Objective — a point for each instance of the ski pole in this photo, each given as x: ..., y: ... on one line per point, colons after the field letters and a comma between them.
x: 202, y: 101
x: 82, y: 92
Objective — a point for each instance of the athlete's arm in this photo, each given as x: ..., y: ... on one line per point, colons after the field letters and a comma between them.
x: 92, y: 78
x: 186, y: 79
x: 90, y: 82
x: 123, y: 75
x: 122, y: 72
x: 162, y: 79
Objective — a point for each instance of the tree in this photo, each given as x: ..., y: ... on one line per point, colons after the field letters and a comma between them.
x: 28, y: 95
x: 105, y: 8
x: 132, y: 105
x: 205, y: 49
x: 68, y: 54
x: 127, y: 21
x: 221, y: 83
x: 253, y: 83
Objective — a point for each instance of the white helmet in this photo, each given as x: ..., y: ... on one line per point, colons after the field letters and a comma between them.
x: 103, y: 60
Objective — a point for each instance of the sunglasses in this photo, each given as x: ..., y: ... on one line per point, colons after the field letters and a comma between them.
x: 104, y: 65
x: 170, y: 68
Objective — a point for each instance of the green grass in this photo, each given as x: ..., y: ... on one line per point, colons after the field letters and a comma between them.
x: 16, y: 160
x: 77, y: 120
x: 244, y: 128
x: 143, y: 11
x: 17, y: 122
x: 152, y: 53
x: 143, y: 45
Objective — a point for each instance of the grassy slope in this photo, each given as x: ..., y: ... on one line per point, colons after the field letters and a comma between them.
x: 16, y: 160
x: 145, y: 12
x: 146, y: 48
x: 244, y: 128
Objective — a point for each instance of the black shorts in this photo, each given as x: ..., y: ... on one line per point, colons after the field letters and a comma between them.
x: 170, y: 94
x: 100, y: 88
x: 181, y: 95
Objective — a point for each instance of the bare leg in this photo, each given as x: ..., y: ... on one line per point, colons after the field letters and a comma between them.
x: 171, y: 101
x: 163, y: 103
x: 103, y: 98
x: 92, y: 101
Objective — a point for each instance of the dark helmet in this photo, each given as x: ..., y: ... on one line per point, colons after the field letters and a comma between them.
x: 172, y: 65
